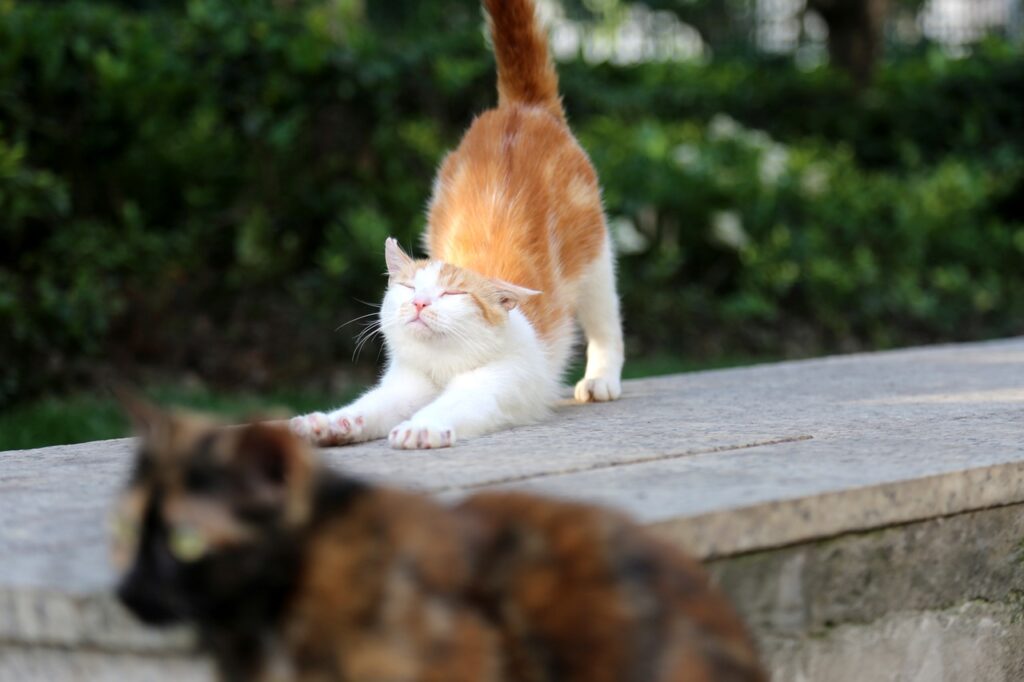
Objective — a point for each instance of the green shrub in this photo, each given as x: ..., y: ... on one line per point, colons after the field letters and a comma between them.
x: 919, y: 109
x: 731, y: 234
x: 188, y: 185
x: 205, y: 186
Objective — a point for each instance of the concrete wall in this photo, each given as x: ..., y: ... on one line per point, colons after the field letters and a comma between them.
x: 935, y: 601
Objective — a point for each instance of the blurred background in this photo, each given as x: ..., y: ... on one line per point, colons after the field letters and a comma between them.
x: 195, y: 195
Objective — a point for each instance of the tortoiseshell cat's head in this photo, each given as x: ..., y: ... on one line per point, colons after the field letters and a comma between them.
x: 204, y: 530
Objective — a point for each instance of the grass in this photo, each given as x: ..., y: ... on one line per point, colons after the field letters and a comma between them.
x: 658, y: 365
x: 81, y: 417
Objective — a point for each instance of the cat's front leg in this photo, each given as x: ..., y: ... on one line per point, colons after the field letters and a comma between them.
x: 477, y: 402
x: 598, y: 312
x: 400, y: 393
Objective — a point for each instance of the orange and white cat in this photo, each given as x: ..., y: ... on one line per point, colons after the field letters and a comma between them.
x: 479, y: 335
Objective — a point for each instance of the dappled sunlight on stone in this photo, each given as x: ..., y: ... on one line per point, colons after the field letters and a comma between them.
x: 1004, y: 358
x: 1002, y: 395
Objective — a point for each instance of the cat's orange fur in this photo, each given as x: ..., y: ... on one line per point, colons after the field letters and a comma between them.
x: 519, y: 200
x: 480, y: 334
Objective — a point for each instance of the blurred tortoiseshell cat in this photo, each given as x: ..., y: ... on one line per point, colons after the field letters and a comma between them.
x: 292, y: 571
x: 479, y: 335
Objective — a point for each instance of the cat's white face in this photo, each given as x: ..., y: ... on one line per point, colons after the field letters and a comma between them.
x: 420, y: 306
x: 444, y: 308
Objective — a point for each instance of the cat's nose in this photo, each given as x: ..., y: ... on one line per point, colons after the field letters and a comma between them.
x: 420, y: 304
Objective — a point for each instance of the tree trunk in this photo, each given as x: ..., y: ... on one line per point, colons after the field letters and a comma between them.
x: 855, y: 34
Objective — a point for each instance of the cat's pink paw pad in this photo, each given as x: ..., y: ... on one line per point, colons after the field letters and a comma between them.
x: 327, y: 430
x: 419, y: 436
x: 310, y: 427
x: 598, y: 390
x: 350, y: 423
x: 344, y: 428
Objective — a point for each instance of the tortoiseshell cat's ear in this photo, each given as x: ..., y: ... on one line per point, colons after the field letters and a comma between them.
x: 149, y: 421
x: 276, y: 467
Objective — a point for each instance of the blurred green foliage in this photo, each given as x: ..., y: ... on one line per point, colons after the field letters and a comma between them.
x: 85, y: 416
x: 207, y: 185
x: 746, y: 240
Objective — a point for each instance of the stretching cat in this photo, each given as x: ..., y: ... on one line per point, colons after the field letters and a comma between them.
x: 293, y: 572
x: 479, y: 335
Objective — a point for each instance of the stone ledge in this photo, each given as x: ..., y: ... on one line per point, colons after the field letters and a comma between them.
x: 972, y: 642
x: 939, y: 600
x: 43, y: 664
x: 786, y: 522
x: 723, y: 463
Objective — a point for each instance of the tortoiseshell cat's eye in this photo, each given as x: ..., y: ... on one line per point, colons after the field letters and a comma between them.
x: 187, y: 543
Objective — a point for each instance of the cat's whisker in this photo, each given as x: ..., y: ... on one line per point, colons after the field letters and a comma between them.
x: 370, y: 331
x: 355, y: 319
x: 369, y: 327
x: 461, y: 336
x: 363, y: 339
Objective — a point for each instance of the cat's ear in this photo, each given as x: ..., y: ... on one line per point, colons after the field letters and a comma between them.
x: 511, y: 295
x: 276, y: 468
x: 149, y: 421
x: 396, y: 259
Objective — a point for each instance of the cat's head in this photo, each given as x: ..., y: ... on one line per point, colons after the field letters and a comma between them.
x: 437, y: 303
x: 205, y: 524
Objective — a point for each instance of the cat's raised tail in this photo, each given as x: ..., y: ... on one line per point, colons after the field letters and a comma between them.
x: 526, y: 74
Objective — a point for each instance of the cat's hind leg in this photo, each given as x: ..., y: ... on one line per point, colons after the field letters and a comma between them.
x: 598, y: 312
x: 400, y: 393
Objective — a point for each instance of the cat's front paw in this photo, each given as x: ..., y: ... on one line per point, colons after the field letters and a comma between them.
x: 418, y: 434
x: 598, y: 389
x: 327, y: 430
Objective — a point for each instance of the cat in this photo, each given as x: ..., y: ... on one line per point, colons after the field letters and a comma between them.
x: 293, y: 571
x: 478, y: 336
